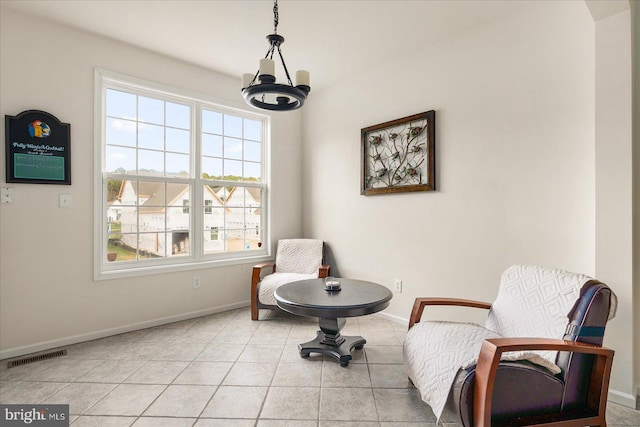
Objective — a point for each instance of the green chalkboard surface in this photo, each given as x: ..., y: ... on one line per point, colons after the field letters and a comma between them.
x: 37, y: 149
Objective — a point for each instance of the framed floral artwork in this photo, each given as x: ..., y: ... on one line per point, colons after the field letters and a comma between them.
x: 399, y: 156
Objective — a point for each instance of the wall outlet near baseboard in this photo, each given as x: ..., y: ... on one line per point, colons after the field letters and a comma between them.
x: 397, y: 285
x: 196, y: 282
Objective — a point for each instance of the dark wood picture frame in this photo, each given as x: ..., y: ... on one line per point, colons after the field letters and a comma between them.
x: 399, y: 156
x: 37, y: 148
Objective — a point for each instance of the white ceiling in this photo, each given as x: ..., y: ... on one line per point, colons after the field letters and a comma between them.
x: 334, y: 40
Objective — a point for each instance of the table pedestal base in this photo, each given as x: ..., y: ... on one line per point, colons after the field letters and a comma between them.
x: 330, y: 342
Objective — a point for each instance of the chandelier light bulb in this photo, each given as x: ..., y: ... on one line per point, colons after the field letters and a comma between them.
x: 302, y: 78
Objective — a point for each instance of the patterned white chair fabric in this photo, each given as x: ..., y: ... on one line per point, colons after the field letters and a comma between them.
x: 441, y: 358
x: 296, y: 259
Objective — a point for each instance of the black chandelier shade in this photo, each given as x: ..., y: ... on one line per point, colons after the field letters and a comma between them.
x: 261, y: 90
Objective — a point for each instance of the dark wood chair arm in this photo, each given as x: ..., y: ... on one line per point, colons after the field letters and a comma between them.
x: 420, y: 303
x: 489, y: 359
x: 257, y: 271
x: 323, y: 271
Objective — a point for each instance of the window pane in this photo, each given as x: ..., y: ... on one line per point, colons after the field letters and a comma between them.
x: 211, y: 145
x: 128, y: 223
x: 178, y: 225
x: 120, y: 160
x: 129, y: 195
x: 252, y: 151
x: 252, y: 239
x: 252, y: 130
x: 211, y: 192
x: 211, y: 168
x: 151, y: 193
x: 214, y: 239
x: 234, y: 218
x: 150, y: 162
x: 212, y: 122
x: 178, y: 165
x: 178, y: 115
x: 233, y: 148
x: 223, y: 194
x: 150, y: 110
x: 114, y: 187
x: 121, y: 104
x: 235, y: 240
x: 252, y: 172
x: 151, y: 136
x: 121, y: 132
x: 215, y: 218
x: 253, y: 200
x: 150, y: 245
x: 178, y: 217
x: 161, y: 247
x: 208, y: 207
x: 232, y: 170
x: 125, y: 248
x: 232, y: 126
x: 178, y: 140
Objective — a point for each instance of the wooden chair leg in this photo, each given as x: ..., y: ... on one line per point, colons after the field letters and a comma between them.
x: 254, y: 307
x: 255, y: 279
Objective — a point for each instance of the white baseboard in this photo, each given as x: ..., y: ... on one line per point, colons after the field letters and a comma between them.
x: 394, y: 319
x: 621, y: 398
x: 47, y: 345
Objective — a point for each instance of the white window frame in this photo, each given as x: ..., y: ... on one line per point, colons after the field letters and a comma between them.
x: 196, y: 259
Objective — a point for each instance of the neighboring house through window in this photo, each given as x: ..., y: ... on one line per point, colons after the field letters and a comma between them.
x: 181, y: 180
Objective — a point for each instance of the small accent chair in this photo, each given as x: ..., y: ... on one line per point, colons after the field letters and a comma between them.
x: 503, y: 382
x: 296, y: 259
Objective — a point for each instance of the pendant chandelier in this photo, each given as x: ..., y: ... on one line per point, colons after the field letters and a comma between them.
x: 267, y: 94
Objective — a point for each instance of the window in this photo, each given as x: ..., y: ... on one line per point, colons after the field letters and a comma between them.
x: 181, y: 180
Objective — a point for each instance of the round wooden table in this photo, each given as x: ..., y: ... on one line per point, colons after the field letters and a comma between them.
x: 309, y: 298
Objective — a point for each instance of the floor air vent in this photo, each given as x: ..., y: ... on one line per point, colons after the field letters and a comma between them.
x: 36, y: 358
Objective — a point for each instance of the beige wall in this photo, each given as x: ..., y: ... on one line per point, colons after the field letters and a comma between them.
x: 47, y: 292
x: 614, y: 263
x: 516, y: 154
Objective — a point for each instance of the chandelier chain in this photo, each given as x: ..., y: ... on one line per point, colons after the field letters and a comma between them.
x: 286, y: 71
x: 276, y: 17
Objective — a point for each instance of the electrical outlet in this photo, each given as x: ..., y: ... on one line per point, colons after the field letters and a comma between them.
x: 7, y: 194
x: 196, y: 282
x: 398, y: 285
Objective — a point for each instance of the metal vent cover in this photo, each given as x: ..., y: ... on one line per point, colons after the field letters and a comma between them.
x: 37, y: 358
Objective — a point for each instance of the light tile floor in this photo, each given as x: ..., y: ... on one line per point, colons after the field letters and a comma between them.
x: 226, y: 370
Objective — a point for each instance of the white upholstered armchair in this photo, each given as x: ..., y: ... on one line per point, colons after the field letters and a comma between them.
x: 296, y: 259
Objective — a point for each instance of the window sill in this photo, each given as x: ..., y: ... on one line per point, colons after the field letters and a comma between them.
x: 187, y: 266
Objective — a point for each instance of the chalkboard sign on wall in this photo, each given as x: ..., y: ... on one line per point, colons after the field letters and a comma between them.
x: 38, y: 148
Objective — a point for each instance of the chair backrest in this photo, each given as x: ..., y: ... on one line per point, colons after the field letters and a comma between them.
x: 587, y: 320
x: 303, y: 256
x: 548, y: 303
x: 534, y: 301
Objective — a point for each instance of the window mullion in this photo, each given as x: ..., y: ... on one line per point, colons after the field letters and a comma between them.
x: 196, y: 184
